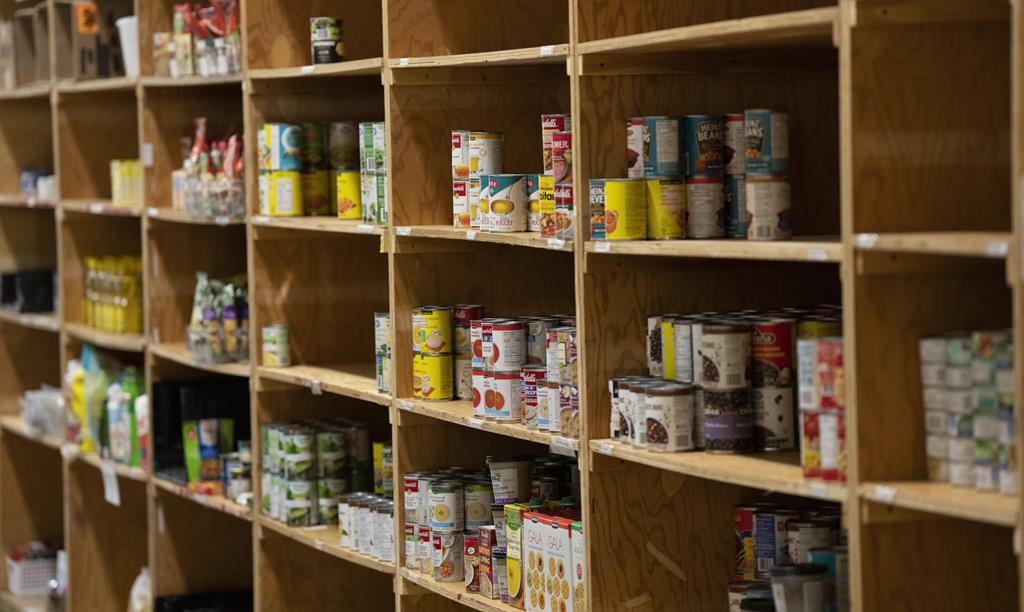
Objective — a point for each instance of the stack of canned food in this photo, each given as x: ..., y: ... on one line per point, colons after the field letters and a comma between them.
x: 698, y: 176
x: 464, y: 525
x: 822, y: 405
x: 789, y: 557
x: 484, y: 198
x: 320, y: 169
x: 308, y: 465
x: 382, y: 348
x: 366, y: 525
x: 968, y: 398
x: 515, y: 370
x: 722, y: 381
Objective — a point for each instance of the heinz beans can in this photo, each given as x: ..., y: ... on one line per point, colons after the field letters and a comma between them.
x: 734, y: 144
x: 737, y: 219
x: 661, y: 146
x: 767, y: 136
x: 704, y: 135
x: 705, y: 208
x: 666, y: 208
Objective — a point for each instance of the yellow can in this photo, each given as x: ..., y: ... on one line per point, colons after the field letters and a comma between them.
x: 668, y: 347
x: 819, y: 328
x: 347, y: 194
x: 432, y: 376
x: 285, y: 194
x: 625, y: 208
x: 432, y: 329
x: 474, y: 202
x: 316, y: 193
x: 666, y: 208
x: 548, y: 226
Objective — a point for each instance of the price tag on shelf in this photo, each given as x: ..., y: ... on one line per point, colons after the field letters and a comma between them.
x: 153, y: 211
x: 403, y: 62
x: 884, y: 493
x: 997, y: 248
x: 111, y: 490
x: 96, y: 208
x: 318, y: 544
x: 475, y: 423
x: 221, y: 220
x: 364, y: 228
x: 606, y: 448
x: 602, y: 247
x: 147, y: 154
x: 314, y: 386
x: 562, y: 446
x: 471, y: 235
x: 307, y: 69
x: 261, y: 219
x: 31, y: 202
x: 201, y: 499
x: 547, y: 50
x: 161, y: 523
x: 867, y: 241
x: 1016, y: 541
x: 817, y: 255
x: 69, y: 451
x: 818, y: 489
x: 404, y: 230
x: 556, y: 243
x: 405, y: 405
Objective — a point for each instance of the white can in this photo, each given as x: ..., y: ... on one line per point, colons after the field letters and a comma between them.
x: 486, y: 153
x: 682, y: 344
x: 460, y: 154
x: 463, y: 377
x: 508, y: 345
x: 735, y: 144
x: 507, y: 399
x: 447, y: 506
x: 705, y: 208
x: 460, y: 203
x: 669, y: 418
x: 473, y: 191
x: 635, y: 147
x: 768, y: 208
x: 507, y: 203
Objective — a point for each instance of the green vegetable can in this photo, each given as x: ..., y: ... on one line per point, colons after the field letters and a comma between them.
x: 326, y: 37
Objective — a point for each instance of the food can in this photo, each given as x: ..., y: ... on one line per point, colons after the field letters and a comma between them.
x: 486, y: 152
x: 705, y: 208
x: 567, y: 350
x: 728, y: 421
x: 704, y: 136
x: 701, y: 433
x: 483, y: 204
x: 447, y: 506
x: 263, y: 184
x: 618, y: 207
x: 283, y: 146
x: 298, y: 503
x: 463, y: 377
x: 661, y: 146
x: 486, y: 341
x: 774, y: 418
x: 432, y: 376
x: 549, y: 126
x: 373, y: 146
x: 568, y: 411
x: 473, y: 191
x: 734, y: 146
x: 737, y: 219
x: 447, y: 559
x: 532, y: 203
x: 507, y: 203
x: 425, y: 549
x: 479, y: 392
x: 464, y: 314
x: 382, y: 332
x: 530, y: 379
x: 771, y: 539
x: 479, y: 495
x: 666, y: 208
x: 819, y: 328
x: 506, y: 397
x: 565, y: 212
x: 412, y: 540
x: 768, y: 208
x: 561, y: 157
x: 285, y: 194
x: 508, y: 345
x: 542, y: 419
x: 725, y: 352
x: 810, y: 442
x: 276, y: 352
x: 348, y: 195
x: 669, y: 412
x: 832, y: 436
x: 411, y: 495
x: 488, y: 395
x: 772, y: 346
x: 743, y: 528
x: 373, y: 198
x: 327, y: 510
x: 471, y: 546
x: 314, y: 143
x: 432, y: 329
x: 383, y: 367
x: 829, y: 369
x: 343, y: 145
x: 326, y: 38
x: 549, y: 420
x: 299, y: 462
x: 636, y: 149
x: 682, y: 349
x: 331, y: 455
x: 546, y: 192
x: 460, y: 154
x: 536, y: 338
x: 767, y: 140
x: 544, y: 488
x: 655, y: 363
x: 804, y: 535
x: 316, y: 193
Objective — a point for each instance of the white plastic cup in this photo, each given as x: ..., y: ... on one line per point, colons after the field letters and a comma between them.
x: 128, y: 28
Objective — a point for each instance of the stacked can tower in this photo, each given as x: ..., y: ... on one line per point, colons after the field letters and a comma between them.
x: 464, y: 315
x: 373, y: 185
x: 382, y: 350
x: 821, y: 400
x: 366, y: 524
x: 432, y: 360
x: 555, y: 191
x: 968, y: 398
x: 734, y: 154
x: 468, y: 525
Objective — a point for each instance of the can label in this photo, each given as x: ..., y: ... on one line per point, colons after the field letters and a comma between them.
x: 460, y: 203
x: 343, y: 145
x: 771, y: 540
x: 829, y: 381
x: 489, y: 406
x: 432, y: 329
x: 734, y: 146
x: 772, y: 344
x: 737, y: 218
x: 314, y: 141
x: 463, y: 339
x: 285, y: 194
x: 655, y: 364
x: 316, y: 193
x: 743, y: 527
x: 463, y: 377
x: 546, y: 195
x: 348, y: 194
x: 484, y: 203
x: 506, y: 397
x: 832, y: 428
x: 424, y: 549
x: 804, y: 536
x: 624, y: 205
x: 507, y: 203
x: 549, y: 420
x: 460, y: 154
x: 565, y: 212
x: 549, y: 126
x: 447, y: 559
x: 705, y: 208
x: 661, y: 146
x: 666, y: 208
x: 276, y: 351
x: 479, y: 392
x: 532, y: 203
x: 635, y: 148
x: 774, y: 418
x: 725, y: 357
x: 412, y: 559
x: 682, y: 347
x: 508, y: 346
x: 767, y: 135
x: 326, y: 40
x: 669, y: 422
x: 768, y: 208
x: 561, y: 157
x: 531, y: 378
x: 536, y: 339
x: 432, y: 376
x: 704, y: 135
x: 810, y: 443
x: 728, y: 421
x: 263, y: 183
x: 447, y: 507
x: 486, y: 153
x: 373, y: 198
x: 373, y: 146
x: 282, y: 146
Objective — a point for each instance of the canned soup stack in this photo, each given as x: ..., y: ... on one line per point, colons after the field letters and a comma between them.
x: 485, y: 198
x: 725, y: 382
x: 968, y: 391
x: 514, y: 370
x: 698, y: 176
x: 320, y: 169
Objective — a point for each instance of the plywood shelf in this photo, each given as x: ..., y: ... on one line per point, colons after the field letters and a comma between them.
x: 779, y: 472
x: 359, y: 67
x: 33, y: 320
x: 171, y: 215
x: 969, y: 244
x: 133, y: 343
x: 943, y: 499
x: 528, y: 56
x: 319, y: 224
x: 123, y: 471
x: 193, y: 81
x: 823, y: 249
x: 446, y: 232
x: 179, y: 353
x: 99, y: 207
x: 325, y: 539
x: 455, y: 591
x: 216, y: 503
x: 357, y: 381
x: 16, y: 425
x: 26, y: 92
x: 21, y: 201
x: 96, y: 85
x: 460, y: 412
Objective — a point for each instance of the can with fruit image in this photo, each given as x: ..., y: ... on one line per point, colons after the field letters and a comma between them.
x: 460, y: 203
x: 348, y: 194
x: 479, y: 495
x: 447, y: 506
x: 447, y: 560
x: 486, y: 152
x: 532, y: 203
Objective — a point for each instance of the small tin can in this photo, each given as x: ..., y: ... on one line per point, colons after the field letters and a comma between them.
x: 463, y: 377
x: 471, y: 546
x: 432, y: 376
x: 669, y: 422
x: 486, y: 153
x: 263, y: 184
x: 316, y: 193
x: 819, y: 328
x: 565, y: 212
x: 507, y: 203
x: 536, y: 338
x: 636, y: 147
x: 479, y: 495
x: 432, y: 329
x: 725, y: 352
x: 682, y: 349
x: 473, y: 187
x: 299, y: 501
x: 771, y: 539
x: 424, y: 549
x: 326, y: 36
x: 343, y: 145
x: 460, y: 203
x: 655, y: 359
x: 532, y: 203
x: 411, y: 495
x: 832, y: 431
x: 728, y: 421
x: 804, y: 535
x: 373, y: 146
x: 412, y: 558
x: 734, y: 147
x: 625, y: 210
x: 506, y: 397
x: 829, y: 368
x: 488, y: 395
x: 661, y: 146
x: 314, y: 144
x: 531, y: 378
x: 666, y: 208
x: 283, y: 145
x: 544, y: 488
x: 483, y: 204
x: 447, y: 506
x: 464, y: 314
x: 561, y: 157
x: 774, y: 418
x: 462, y: 333
x: 810, y: 442
x: 447, y: 560
x: 737, y: 218
x: 460, y: 155
x: 373, y: 198
x: 549, y: 126
x: 508, y: 345
x: 705, y: 208
x: 285, y: 193
x: 476, y: 343
x: 768, y: 208
x: 546, y: 190
x: 382, y: 332
x: 548, y: 420
x: 348, y: 195
x: 767, y: 139
x: 331, y: 455
x: 382, y: 365
x: 743, y: 528
x: 704, y: 136
x: 772, y: 346
x: 276, y: 352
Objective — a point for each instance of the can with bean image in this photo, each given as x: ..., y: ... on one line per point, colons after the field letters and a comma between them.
x: 728, y: 421
x: 704, y: 136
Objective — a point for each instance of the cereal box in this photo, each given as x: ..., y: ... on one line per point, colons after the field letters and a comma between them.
x: 534, y: 567
x: 559, y: 561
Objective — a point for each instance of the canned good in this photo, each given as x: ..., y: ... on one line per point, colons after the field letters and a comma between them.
x: 489, y: 405
x: 682, y: 349
x: 463, y: 377
x: 804, y: 535
x: 774, y: 418
x: 508, y: 345
x: 326, y: 38
x: 411, y: 540
x: 348, y: 196
x: 771, y: 539
x: 666, y: 208
x: 479, y: 495
x: 536, y: 339
x: 546, y: 195
x: 486, y: 152
x: 373, y: 198
x: 548, y: 420
x: 549, y: 126
x: 382, y: 332
x: 276, y: 352
x: 507, y: 203
x: 734, y: 146
x: 705, y: 208
x: 479, y: 392
x: 464, y: 314
x: 530, y: 379
x: 425, y: 549
x: 767, y: 140
x: 343, y: 145
x: 561, y: 157
x: 331, y: 455
x: 460, y: 154
x: 819, y: 328
x: 299, y: 503
x: 282, y: 147
x: 373, y: 146
x: 810, y: 442
x: 447, y: 559
x: 565, y: 212
x: 661, y: 146
x: 737, y: 219
x: 285, y: 194
x: 447, y: 506
x: 432, y: 329
x: 669, y: 414
x: 532, y: 203
x: 460, y: 203
x: 725, y: 353
x: 704, y: 135
x: 618, y: 209
x: 484, y: 204
x: 655, y: 351
x: 832, y: 443
x: 383, y: 367
x: 772, y: 345
x: 505, y: 396
x: 829, y: 370
x: 471, y: 546
x: 768, y: 208
x: 728, y: 421
x: 314, y: 142
x: 743, y: 527
x: 473, y: 189
x: 263, y: 185
x: 432, y: 376
x: 316, y: 193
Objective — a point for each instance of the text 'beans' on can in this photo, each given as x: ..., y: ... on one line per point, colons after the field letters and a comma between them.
x: 704, y: 137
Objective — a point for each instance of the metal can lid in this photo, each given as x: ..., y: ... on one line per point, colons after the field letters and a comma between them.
x: 669, y: 389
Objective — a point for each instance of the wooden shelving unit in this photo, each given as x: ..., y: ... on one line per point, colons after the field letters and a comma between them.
x: 907, y: 157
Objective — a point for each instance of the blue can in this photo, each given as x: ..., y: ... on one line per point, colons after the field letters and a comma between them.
x: 736, y: 223
x: 831, y: 558
x: 661, y: 141
x: 770, y: 540
x: 767, y: 136
x: 704, y: 145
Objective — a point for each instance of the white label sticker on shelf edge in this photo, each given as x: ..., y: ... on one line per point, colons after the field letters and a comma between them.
x: 867, y: 241
x: 318, y: 544
x: 606, y: 448
x: 817, y: 255
x: 314, y: 386
x: 475, y: 423
x: 556, y: 243
x: 147, y: 154
x: 471, y: 235
x: 260, y: 219
x: 69, y: 451
x: 364, y: 228
x: 111, y: 491
x: 307, y: 69
x: 153, y: 211
x: 405, y: 404
x: 222, y: 220
x: 817, y: 489
x: 96, y: 208
x: 403, y: 62
x: 404, y: 230
x: 562, y: 446
x: 997, y: 248
x: 884, y: 493
x: 547, y: 50
x: 602, y: 247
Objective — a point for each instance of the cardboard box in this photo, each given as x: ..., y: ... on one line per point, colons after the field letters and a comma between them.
x: 579, y: 560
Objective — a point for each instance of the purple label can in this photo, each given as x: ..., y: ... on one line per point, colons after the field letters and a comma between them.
x: 728, y: 421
